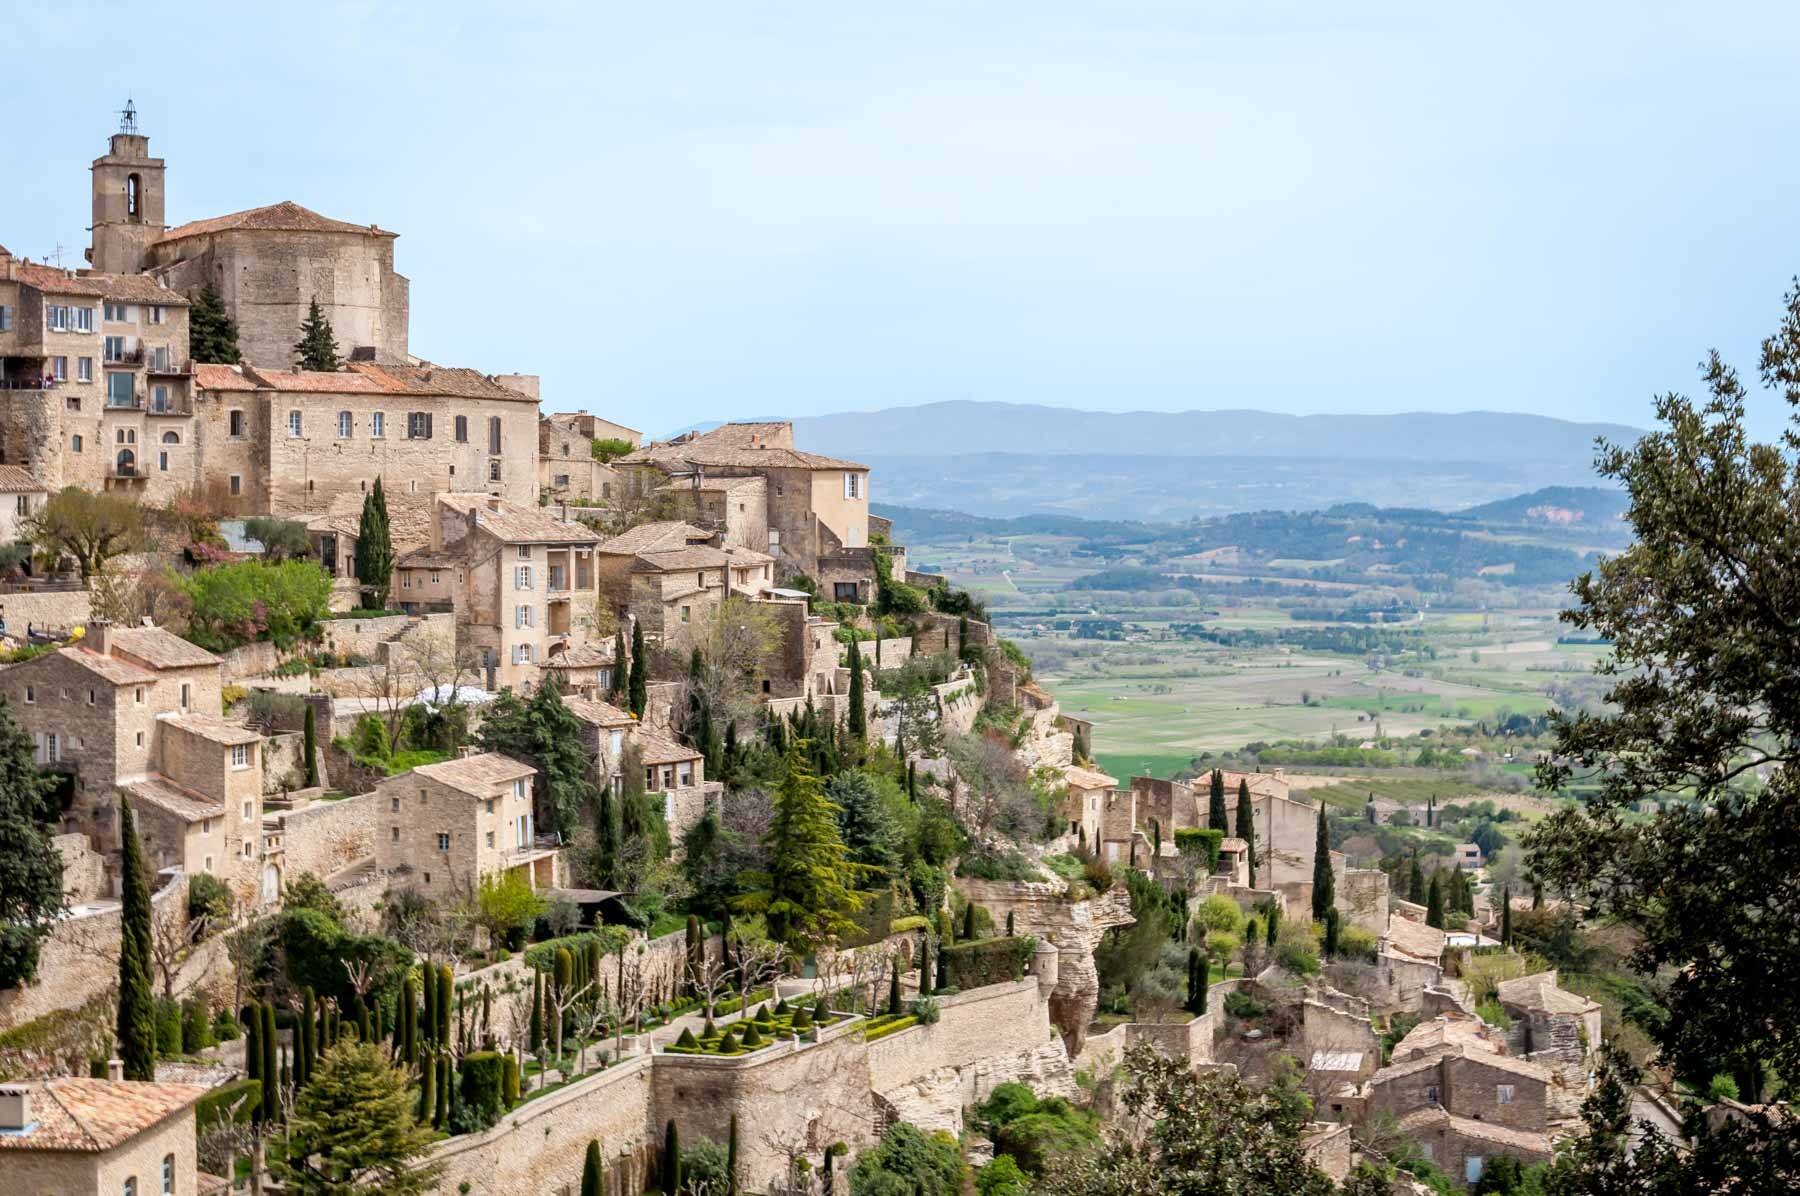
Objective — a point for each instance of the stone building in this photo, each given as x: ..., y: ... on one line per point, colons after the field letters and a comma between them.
x: 522, y: 582
x: 816, y: 507
x: 91, y: 1137
x: 584, y: 669
x: 445, y: 826
x: 670, y: 576
x: 567, y: 467
x: 1084, y: 807
x: 21, y: 497
x: 1552, y: 1026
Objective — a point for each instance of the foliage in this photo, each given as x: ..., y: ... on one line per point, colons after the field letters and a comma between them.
x: 1201, y: 1134
x: 872, y: 817
x: 894, y: 597
x: 93, y: 526
x: 353, y: 1127
x: 31, y: 892
x: 281, y: 539
x: 1200, y: 842
x: 315, y: 948
x: 236, y: 604
x: 1002, y: 1177
x: 987, y: 961
x: 1037, y: 1132
x: 609, y: 448
x: 135, y: 1029
x: 1128, y: 951
x: 1704, y: 666
x: 212, y: 333
x: 481, y: 1092
x: 907, y: 1162
x: 374, y: 563
x: 809, y: 892
x: 507, y: 904
x: 542, y: 956
x: 543, y: 732
x: 234, y: 1100
x: 317, y: 348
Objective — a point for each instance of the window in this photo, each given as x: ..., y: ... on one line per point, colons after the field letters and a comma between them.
x: 344, y: 425
x: 462, y: 429
x: 187, y: 692
x: 56, y: 319
x: 84, y: 319
x: 51, y: 754
x: 140, y: 739
x: 490, y: 838
x: 521, y: 577
x: 24, y: 504
x: 140, y: 695
x: 293, y: 423
x: 421, y: 797
x: 162, y: 462
x: 240, y: 755
x: 130, y: 1188
x: 853, y: 485
x: 84, y: 369
x: 493, y: 434
x: 774, y: 541
x: 114, y: 313
x: 1472, y: 1167
x: 1426, y: 1151
x: 249, y: 810
x: 208, y: 865
x: 700, y: 579
x: 393, y: 834
x: 844, y: 591
x: 378, y: 425
x: 519, y: 788
x: 90, y: 697
x: 249, y: 848
x: 59, y: 369
x: 1503, y: 1094
x: 234, y: 424
x: 5, y: 318
x: 394, y: 805
x: 237, y: 484
x: 668, y: 776
x: 562, y: 481
x: 443, y: 841
x: 686, y: 613
x: 168, y: 1175
x: 1431, y: 1094
x: 687, y: 775
x: 418, y: 425
x: 524, y: 551
x: 113, y: 348
x: 522, y: 616
x: 494, y: 470
x: 30, y: 694
x: 126, y: 435
x: 156, y: 313
x: 618, y: 742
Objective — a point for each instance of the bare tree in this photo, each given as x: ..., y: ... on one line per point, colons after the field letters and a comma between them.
x: 733, y: 641
x: 711, y: 978
x: 171, y: 942
x: 628, y: 994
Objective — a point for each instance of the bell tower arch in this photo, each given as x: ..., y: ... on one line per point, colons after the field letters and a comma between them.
x: 128, y: 200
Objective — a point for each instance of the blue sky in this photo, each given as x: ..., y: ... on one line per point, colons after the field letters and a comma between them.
x: 686, y: 212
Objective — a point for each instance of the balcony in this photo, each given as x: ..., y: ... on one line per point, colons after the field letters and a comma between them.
x: 124, y: 356
x: 168, y: 367
x: 169, y: 405
x: 28, y: 383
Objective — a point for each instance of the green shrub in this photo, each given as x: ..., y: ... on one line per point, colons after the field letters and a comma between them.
x: 1242, y: 1005
x: 886, y: 1026
x: 1098, y: 875
x: 1002, y: 1177
x: 1494, y: 1014
x: 236, y: 1101
x: 1201, y: 842
x: 168, y: 1027
x: 908, y: 924
x: 1036, y: 1132
x: 235, y: 604
x: 482, y: 1090
x: 1008, y: 865
x: 208, y: 897
x: 542, y: 956
x: 196, y: 1026
x: 988, y: 961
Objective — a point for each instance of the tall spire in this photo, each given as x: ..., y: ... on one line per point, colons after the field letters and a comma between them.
x: 128, y: 117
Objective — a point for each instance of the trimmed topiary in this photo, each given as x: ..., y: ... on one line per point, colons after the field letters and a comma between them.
x: 687, y: 1039
x: 752, y: 1037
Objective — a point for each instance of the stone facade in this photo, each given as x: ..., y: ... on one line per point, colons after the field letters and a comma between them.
x: 448, y: 825
x: 101, y: 1137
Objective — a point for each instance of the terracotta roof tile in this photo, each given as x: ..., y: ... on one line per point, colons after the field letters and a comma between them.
x: 97, y: 1115
x: 654, y: 537
x: 1088, y: 778
x: 514, y: 524
x: 600, y: 714
x: 177, y: 800
x: 133, y: 288
x: 1540, y: 992
x: 581, y: 656
x: 16, y: 479
x: 110, y: 668
x: 222, y: 377
x: 431, y: 379
x: 160, y: 649
x: 659, y: 749
x: 741, y: 446
x: 698, y: 556
x: 1434, y: 1117
x: 1415, y: 938
x: 286, y: 216
x: 477, y: 775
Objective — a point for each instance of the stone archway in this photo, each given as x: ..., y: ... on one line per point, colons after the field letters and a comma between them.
x: 271, y: 884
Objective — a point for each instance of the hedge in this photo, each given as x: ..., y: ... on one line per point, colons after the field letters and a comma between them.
x: 483, y: 1089
x: 1196, y: 840
x: 226, y: 1099
x: 873, y: 918
x: 988, y: 961
x: 883, y: 1029
x: 908, y: 924
x: 542, y: 956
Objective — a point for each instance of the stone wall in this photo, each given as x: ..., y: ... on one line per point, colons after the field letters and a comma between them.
x: 250, y: 660
x: 891, y: 653
x: 325, y: 837
x: 83, y: 868
x: 1362, y: 895
x: 957, y: 704
x: 56, y: 608
x: 996, y: 1020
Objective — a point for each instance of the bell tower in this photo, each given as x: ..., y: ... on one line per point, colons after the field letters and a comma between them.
x: 128, y: 200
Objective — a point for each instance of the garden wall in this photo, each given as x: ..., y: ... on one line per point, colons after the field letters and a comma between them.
x: 892, y: 653
x: 325, y: 837
x: 83, y: 868
x: 55, y: 608
x: 1001, y: 1019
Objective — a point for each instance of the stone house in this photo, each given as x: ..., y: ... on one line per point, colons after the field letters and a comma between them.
x: 446, y: 826
x: 735, y: 509
x: 567, y: 467
x: 1552, y: 1026
x: 1461, y: 1147
x: 1084, y: 805
x: 91, y: 1137
x: 21, y: 497
x: 522, y: 583
x: 585, y: 669
x: 817, y: 507
x: 670, y: 577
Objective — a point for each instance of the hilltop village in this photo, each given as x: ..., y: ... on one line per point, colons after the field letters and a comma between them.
x: 611, y: 815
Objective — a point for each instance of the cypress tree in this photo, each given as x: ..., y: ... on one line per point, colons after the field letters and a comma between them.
x: 427, y: 1089
x: 428, y: 1022
x: 943, y: 976
x: 858, y: 717
x: 212, y: 333
x: 253, y: 1044
x: 1197, y: 980
x: 968, y: 926
x: 925, y: 985
x: 310, y: 745
x: 606, y: 839
x: 1434, y: 902
x: 912, y: 781
x: 441, y: 1116
x: 894, y: 992
x: 671, y: 1158
x: 1506, y: 914
x: 1537, y: 894
x: 1333, y: 926
x: 591, y: 1171
x: 1324, y: 893
x: 1273, y: 925
x: 1246, y: 825
x: 317, y: 348
x: 1215, y: 806
x: 271, y: 1076
x: 1430, y: 810
x: 537, y: 1012
x: 445, y: 984
x: 731, y: 1158
x: 374, y: 550
x: 135, y: 1029
x: 1415, y: 882
x: 303, y: 1063
x: 621, y: 669
x: 640, y: 671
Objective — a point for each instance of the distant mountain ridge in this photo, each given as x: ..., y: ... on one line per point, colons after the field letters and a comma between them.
x: 967, y: 426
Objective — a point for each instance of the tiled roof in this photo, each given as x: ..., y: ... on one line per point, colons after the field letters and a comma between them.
x: 96, y: 1115
x: 222, y: 377
x: 1088, y: 778
x: 177, y: 800
x: 360, y: 377
x: 110, y: 668
x: 212, y: 728
x: 744, y: 446
x: 160, y: 649
x: 710, y: 484
x: 1539, y: 992
x: 659, y: 749
x: 1523, y: 1068
x: 1336, y: 1061
x: 133, y: 288
x: 429, y: 379
x: 654, y: 537
x: 1434, y: 1117
x: 698, y: 556
x: 16, y: 479
x: 1442, y: 1033
x: 1415, y: 939
x: 331, y: 382
x: 286, y: 216
x: 420, y: 558
x: 581, y: 656
x: 514, y: 524
x: 600, y: 714
x: 477, y: 775
x: 1407, y: 1067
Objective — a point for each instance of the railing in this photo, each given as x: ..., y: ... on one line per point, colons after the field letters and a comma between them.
x: 163, y: 367
x: 131, y: 356
x: 126, y: 472
x: 167, y: 407
x: 29, y: 383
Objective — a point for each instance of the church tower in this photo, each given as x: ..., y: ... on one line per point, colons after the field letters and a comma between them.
x: 128, y: 200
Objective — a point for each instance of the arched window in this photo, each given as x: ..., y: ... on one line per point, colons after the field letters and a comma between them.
x: 130, y: 1187
x: 133, y: 209
x: 127, y: 464
x: 168, y: 1175
x: 171, y: 438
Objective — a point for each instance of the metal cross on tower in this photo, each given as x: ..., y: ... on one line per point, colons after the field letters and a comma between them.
x: 128, y: 117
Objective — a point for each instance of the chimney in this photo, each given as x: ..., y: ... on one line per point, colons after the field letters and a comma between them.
x: 115, y: 1070
x: 467, y: 751
x: 99, y: 635
x: 15, y: 1106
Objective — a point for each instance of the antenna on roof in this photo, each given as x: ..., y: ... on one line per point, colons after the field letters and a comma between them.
x: 128, y: 117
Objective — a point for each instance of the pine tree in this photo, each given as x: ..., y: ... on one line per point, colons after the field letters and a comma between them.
x: 858, y: 717
x: 671, y: 1158
x: 374, y: 550
x: 1246, y: 825
x: 317, y: 348
x: 1324, y: 893
x: 1506, y: 914
x: 212, y: 333
x: 592, y: 1173
x: 1434, y: 902
x: 640, y: 671
x: 809, y: 892
x: 310, y: 745
x: 1215, y: 806
x: 31, y: 889
x: 136, y: 1025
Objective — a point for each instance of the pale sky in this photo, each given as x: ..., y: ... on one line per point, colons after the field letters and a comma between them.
x: 679, y: 212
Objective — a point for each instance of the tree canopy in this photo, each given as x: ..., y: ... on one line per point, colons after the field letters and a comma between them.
x: 543, y: 732
x: 809, y: 892
x: 212, y: 333
x: 374, y: 550
x: 31, y: 892
x: 353, y: 1129
x: 236, y: 604
x: 317, y: 348
x: 93, y: 526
